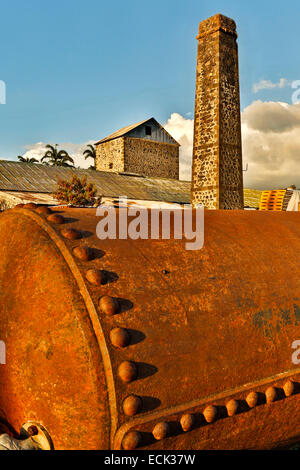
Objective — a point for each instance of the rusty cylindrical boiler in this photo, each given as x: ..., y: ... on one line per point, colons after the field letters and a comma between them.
x: 142, y: 344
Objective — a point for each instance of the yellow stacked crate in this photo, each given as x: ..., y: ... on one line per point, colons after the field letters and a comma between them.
x: 272, y: 200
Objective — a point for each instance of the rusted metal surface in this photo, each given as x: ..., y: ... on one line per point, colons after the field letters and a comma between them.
x: 188, y: 349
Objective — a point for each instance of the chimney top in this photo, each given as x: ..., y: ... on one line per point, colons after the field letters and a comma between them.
x: 217, y: 23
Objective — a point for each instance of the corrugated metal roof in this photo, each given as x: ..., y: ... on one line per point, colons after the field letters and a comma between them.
x: 122, y: 132
x: 33, y: 177
x: 9, y: 199
x: 37, y: 178
x: 38, y: 198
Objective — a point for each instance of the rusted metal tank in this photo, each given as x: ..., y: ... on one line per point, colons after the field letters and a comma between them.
x: 142, y: 344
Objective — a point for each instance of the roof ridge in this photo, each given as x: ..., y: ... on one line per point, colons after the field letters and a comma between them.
x: 124, y: 130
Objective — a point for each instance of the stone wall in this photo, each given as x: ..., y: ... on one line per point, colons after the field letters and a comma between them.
x: 151, y: 158
x: 230, y: 164
x: 217, y: 156
x: 110, y: 155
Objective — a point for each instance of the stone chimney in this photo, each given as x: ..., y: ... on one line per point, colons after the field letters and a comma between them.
x: 217, y: 176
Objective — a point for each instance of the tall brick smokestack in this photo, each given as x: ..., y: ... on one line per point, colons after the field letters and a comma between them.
x: 217, y: 177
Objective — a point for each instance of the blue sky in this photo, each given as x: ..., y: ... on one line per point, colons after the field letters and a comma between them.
x: 76, y: 71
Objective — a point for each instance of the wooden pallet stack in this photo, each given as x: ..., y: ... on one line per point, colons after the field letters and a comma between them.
x: 272, y: 200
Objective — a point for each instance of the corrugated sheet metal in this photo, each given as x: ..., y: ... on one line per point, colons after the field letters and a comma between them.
x: 35, y: 178
x: 121, y: 132
x: 23, y: 177
x: 129, y: 131
x: 38, y: 198
x: 9, y: 199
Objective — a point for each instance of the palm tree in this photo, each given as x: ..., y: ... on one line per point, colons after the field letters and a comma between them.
x: 27, y: 159
x: 55, y: 158
x: 90, y: 152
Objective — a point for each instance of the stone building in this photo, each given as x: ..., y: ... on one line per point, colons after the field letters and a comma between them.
x: 145, y: 148
x: 217, y: 153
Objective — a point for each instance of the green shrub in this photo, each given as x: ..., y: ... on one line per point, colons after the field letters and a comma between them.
x: 76, y: 192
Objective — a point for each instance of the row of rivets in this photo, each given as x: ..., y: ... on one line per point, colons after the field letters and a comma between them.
x: 81, y: 252
x: 96, y: 277
x: 161, y: 430
x: 32, y: 205
x: 120, y: 338
x: 110, y: 306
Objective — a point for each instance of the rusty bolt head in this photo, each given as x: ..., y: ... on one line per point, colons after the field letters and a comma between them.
x: 210, y: 414
x: 120, y: 337
x: 30, y: 205
x: 127, y: 371
x: 271, y: 395
x: 132, y: 405
x: 32, y: 430
x: 232, y: 407
x: 160, y: 431
x: 187, y: 422
x: 95, y: 277
x: 109, y: 305
x: 56, y: 219
x: 131, y: 440
x: 289, y: 388
x: 252, y: 399
x: 83, y: 253
x: 71, y: 233
x: 44, y: 210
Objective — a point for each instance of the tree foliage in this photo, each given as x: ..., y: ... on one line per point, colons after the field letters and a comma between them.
x: 27, y: 159
x: 90, y: 152
x: 54, y: 157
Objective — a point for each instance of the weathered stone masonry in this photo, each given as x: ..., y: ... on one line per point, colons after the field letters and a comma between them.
x: 217, y: 177
x: 141, y: 156
x: 110, y: 155
x: 150, y: 158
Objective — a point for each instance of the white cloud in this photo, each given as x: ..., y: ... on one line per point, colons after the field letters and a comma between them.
x: 271, y: 144
x: 269, y: 85
x: 38, y: 150
x: 182, y: 130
